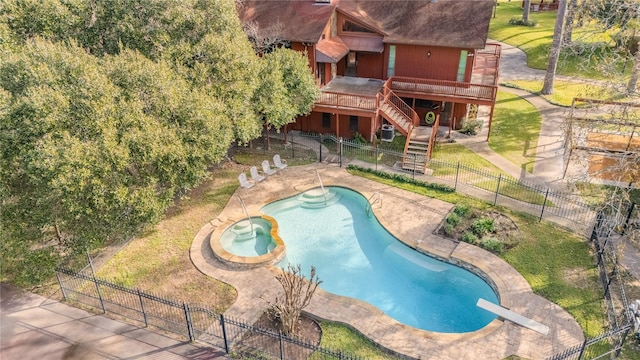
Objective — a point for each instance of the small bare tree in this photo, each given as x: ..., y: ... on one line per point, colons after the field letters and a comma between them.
x: 297, y: 295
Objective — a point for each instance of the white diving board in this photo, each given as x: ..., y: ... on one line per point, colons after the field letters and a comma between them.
x: 513, y: 317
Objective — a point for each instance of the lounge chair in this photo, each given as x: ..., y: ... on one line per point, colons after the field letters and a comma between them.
x: 244, y: 182
x: 266, y: 168
x: 280, y: 164
x: 255, y: 176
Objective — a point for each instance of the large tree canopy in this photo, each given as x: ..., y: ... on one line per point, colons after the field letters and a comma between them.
x: 110, y: 109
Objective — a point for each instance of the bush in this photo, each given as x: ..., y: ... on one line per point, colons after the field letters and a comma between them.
x: 448, y: 229
x: 520, y: 22
x: 470, y: 127
x: 453, y: 219
x: 469, y: 237
x: 461, y: 210
x: 482, y: 226
x: 403, y: 179
x: 492, y: 244
x: 359, y: 139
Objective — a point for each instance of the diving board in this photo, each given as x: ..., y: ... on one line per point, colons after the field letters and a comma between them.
x: 513, y: 317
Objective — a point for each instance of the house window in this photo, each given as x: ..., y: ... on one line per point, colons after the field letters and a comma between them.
x: 353, y: 27
x: 391, y: 68
x: 326, y: 120
x: 353, y: 123
x: 462, y: 65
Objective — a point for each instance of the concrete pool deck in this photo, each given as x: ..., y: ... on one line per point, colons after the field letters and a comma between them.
x: 413, y: 219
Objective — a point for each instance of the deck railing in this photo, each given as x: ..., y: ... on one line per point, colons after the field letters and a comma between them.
x: 443, y: 88
x: 348, y: 101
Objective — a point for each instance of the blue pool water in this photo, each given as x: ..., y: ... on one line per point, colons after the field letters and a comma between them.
x: 246, y: 238
x: 356, y: 257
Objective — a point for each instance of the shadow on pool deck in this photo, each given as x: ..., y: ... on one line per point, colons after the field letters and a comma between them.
x: 412, y: 218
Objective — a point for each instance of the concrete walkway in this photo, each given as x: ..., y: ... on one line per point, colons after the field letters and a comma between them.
x: 36, y: 328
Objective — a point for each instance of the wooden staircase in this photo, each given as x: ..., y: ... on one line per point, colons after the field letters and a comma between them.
x: 403, y: 117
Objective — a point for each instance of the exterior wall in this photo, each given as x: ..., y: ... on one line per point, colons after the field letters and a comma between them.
x: 428, y: 62
x: 370, y: 65
x: 339, y: 125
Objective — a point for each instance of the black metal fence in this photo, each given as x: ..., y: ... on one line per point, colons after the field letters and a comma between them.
x: 189, y: 322
x: 563, y: 208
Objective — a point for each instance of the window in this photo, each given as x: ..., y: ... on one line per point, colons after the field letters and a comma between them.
x: 391, y: 68
x: 326, y: 120
x: 353, y: 123
x: 353, y: 27
x: 320, y: 67
x: 462, y: 65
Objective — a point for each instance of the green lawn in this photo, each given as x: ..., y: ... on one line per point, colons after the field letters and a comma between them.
x: 515, y: 130
x: 535, y: 41
x: 565, y: 91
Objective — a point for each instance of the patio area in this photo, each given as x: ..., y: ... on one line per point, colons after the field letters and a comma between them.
x: 413, y: 219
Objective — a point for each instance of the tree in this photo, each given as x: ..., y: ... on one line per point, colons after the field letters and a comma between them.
x: 632, y: 86
x: 568, y: 24
x: 554, y: 52
x: 298, y: 292
x: 525, y: 11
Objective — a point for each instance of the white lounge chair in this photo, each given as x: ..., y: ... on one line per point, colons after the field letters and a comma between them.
x: 244, y: 182
x: 266, y: 168
x: 280, y: 164
x: 255, y: 176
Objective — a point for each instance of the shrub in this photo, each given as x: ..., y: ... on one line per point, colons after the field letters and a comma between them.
x: 453, y: 219
x: 520, y: 22
x: 359, y: 139
x: 448, y: 229
x: 482, y: 226
x: 492, y: 244
x: 470, y: 127
x: 469, y: 237
x: 461, y: 210
x: 403, y: 179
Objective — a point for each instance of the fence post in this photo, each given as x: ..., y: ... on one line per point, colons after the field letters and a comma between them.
x: 455, y: 185
x: 64, y: 293
x: 544, y: 203
x: 187, y: 317
x: 624, y: 337
x: 495, y: 200
x: 95, y: 282
x: 376, y: 158
x: 320, y: 159
x: 340, y: 152
x: 584, y: 346
x: 281, y: 346
x: 144, y: 313
x: 224, y: 334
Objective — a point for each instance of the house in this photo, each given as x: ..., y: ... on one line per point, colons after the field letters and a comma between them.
x: 412, y: 64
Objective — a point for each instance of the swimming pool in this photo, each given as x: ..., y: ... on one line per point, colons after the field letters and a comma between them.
x: 356, y: 257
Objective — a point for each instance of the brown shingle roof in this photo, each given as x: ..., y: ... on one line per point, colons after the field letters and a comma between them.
x: 300, y: 20
x: 450, y: 23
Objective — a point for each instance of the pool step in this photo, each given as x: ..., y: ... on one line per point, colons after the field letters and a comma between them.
x: 244, y: 231
x: 315, y: 198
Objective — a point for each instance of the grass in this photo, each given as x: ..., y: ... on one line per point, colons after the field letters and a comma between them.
x: 337, y: 336
x: 558, y: 266
x: 535, y: 41
x: 158, y: 261
x: 515, y: 130
x: 565, y: 91
x: 456, y: 153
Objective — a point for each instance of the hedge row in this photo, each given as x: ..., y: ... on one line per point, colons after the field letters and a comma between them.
x: 403, y: 179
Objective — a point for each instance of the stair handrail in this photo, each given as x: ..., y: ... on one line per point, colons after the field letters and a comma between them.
x: 245, y: 211
x: 394, y: 100
x: 370, y: 203
x: 322, y: 187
